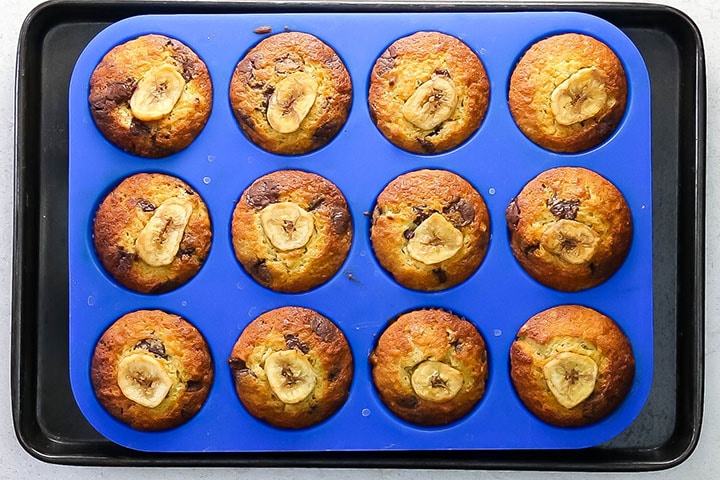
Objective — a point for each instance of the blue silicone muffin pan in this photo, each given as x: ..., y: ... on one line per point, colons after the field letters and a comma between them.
x: 222, y: 298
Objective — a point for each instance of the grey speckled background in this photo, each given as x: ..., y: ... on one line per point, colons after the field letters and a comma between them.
x: 15, y: 463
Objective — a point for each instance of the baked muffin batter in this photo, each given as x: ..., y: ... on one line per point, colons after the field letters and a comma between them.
x: 570, y: 228
x: 568, y: 92
x: 428, y: 92
x: 151, y: 96
x: 152, y: 370
x: 152, y: 233
x: 291, y: 93
x: 430, y: 229
x: 291, y: 230
x: 571, y: 365
x: 292, y: 367
x: 430, y: 367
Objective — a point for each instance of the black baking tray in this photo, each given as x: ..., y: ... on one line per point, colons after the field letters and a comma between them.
x: 50, y: 426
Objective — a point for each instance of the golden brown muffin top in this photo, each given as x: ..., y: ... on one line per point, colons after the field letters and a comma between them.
x: 430, y: 366
x: 151, y: 96
x: 428, y: 92
x: 570, y: 228
x: 571, y: 365
x: 140, y: 346
x: 568, y: 92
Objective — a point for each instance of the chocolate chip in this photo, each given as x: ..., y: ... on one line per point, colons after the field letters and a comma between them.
x: 530, y: 249
x: 292, y: 341
x: 146, y: 206
x: 421, y: 214
x: 326, y: 132
x: 288, y: 63
x: 193, y: 385
x: 152, y: 345
x: 333, y: 374
x: 408, y: 402
x: 408, y: 234
x: 185, y: 252
x: 512, y: 214
x: 564, y: 209
x: 426, y: 145
x: 440, y: 274
x: 237, y: 364
x: 115, y: 93
x: 315, y: 203
x: 261, y: 272
x: 340, y: 221
x: 460, y: 213
x: 443, y: 72
x: 386, y: 62
x: 323, y: 328
x: 262, y: 193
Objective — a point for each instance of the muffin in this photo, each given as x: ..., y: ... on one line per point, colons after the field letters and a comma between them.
x: 568, y: 92
x: 152, y: 370
x: 570, y: 228
x: 292, y: 367
x: 151, y: 96
x: 152, y: 233
x: 291, y: 230
x: 291, y: 93
x: 428, y: 92
x: 571, y: 365
x: 430, y: 229
x: 430, y: 367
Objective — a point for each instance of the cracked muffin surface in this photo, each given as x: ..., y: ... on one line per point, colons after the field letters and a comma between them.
x: 430, y: 229
x: 152, y: 233
x: 430, y: 367
x: 292, y: 367
x: 291, y: 230
x: 151, y: 96
x: 291, y: 93
x: 428, y: 92
x: 570, y: 228
x: 571, y: 365
x: 152, y: 370
x: 568, y: 92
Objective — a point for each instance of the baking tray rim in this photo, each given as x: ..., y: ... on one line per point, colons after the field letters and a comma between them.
x: 676, y: 453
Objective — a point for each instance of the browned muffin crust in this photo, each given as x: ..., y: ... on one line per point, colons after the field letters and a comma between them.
x: 173, y: 343
x: 256, y: 85
x: 115, y: 80
x: 582, y: 331
x: 313, y: 340
x: 400, y: 222
x: 543, y: 68
x: 410, y: 344
x: 570, y: 228
x: 413, y: 61
x: 129, y: 210
x: 325, y: 226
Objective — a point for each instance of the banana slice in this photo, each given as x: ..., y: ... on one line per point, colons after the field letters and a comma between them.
x: 287, y: 225
x: 290, y: 375
x: 436, y: 381
x: 431, y: 103
x: 291, y: 101
x: 571, y: 241
x: 156, y: 93
x: 143, y: 379
x: 435, y: 240
x: 159, y: 241
x: 571, y: 377
x: 579, y: 97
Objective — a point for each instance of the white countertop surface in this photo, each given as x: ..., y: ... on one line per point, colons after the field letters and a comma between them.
x: 15, y: 463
